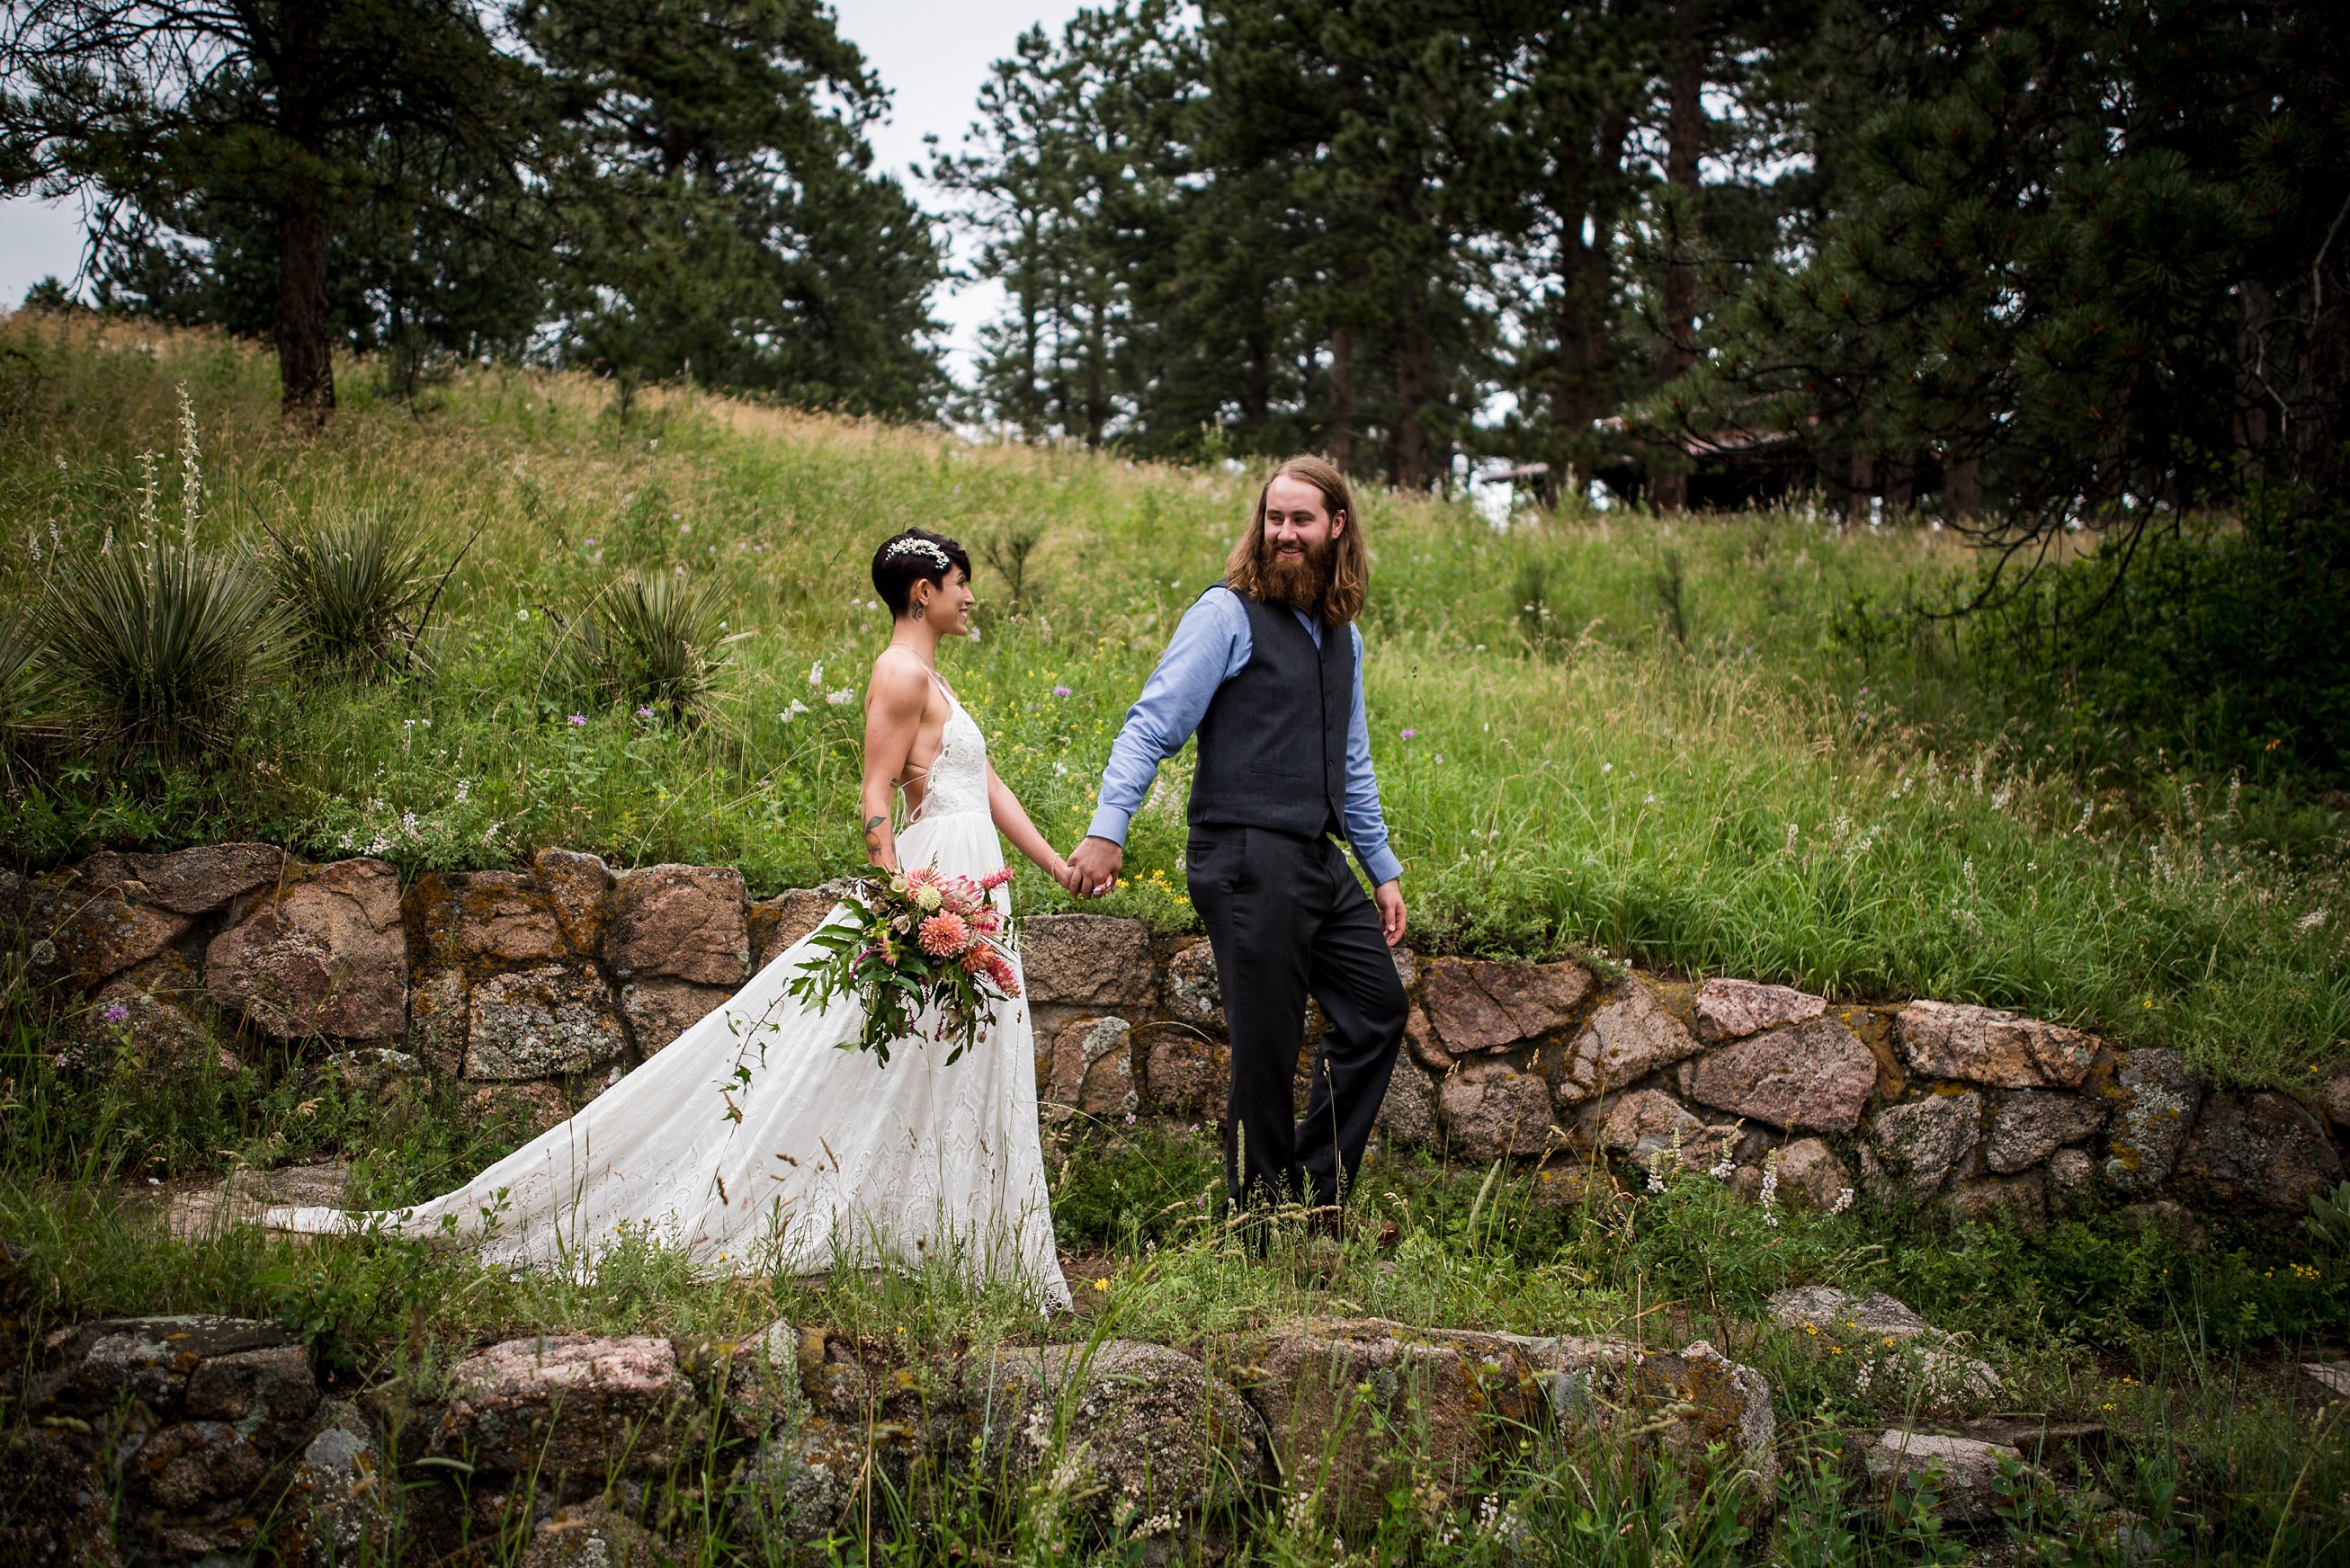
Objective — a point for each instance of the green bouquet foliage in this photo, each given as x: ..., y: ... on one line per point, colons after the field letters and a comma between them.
x: 915, y: 945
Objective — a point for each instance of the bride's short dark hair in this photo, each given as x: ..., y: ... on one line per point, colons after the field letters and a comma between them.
x: 915, y: 555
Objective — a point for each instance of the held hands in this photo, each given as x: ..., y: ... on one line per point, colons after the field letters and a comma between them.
x: 1093, y: 868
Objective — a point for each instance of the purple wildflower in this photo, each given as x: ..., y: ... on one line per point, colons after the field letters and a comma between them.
x: 579, y: 721
x: 1060, y: 691
x: 116, y: 1013
x: 644, y: 712
x: 1407, y: 734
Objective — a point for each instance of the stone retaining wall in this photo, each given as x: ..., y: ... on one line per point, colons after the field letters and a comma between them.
x: 542, y: 986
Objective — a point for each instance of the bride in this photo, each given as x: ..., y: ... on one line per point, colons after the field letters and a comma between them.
x: 752, y: 1142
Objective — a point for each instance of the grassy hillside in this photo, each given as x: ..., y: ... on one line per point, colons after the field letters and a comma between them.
x: 1673, y: 742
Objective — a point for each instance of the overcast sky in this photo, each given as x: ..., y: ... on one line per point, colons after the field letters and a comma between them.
x: 933, y: 54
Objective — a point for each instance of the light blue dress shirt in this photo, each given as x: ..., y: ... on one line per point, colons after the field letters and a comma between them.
x: 1211, y: 645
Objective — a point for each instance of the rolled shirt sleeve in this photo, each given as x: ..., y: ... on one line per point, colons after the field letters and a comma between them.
x: 1209, y: 646
x: 1366, y: 825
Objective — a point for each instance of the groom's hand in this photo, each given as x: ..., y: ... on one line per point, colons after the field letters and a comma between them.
x: 1389, y: 897
x: 1094, y: 866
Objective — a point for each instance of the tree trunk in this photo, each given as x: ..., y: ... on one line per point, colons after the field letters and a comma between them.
x: 1864, y: 484
x: 1961, y: 489
x: 1408, y: 464
x: 306, y: 350
x: 1342, y: 396
x: 1684, y: 144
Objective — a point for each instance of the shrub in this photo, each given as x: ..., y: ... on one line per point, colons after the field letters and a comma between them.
x: 156, y: 645
x: 24, y: 715
x: 650, y: 643
x: 355, y: 586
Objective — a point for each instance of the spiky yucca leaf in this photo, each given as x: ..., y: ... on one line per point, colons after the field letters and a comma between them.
x: 155, y: 644
x: 354, y: 583
x: 650, y: 642
x: 27, y: 715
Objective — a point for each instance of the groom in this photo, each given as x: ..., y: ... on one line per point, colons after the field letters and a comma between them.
x: 1267, y: 668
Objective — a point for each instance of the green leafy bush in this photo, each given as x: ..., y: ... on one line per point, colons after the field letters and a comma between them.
x: 653, y: 641
x: 157, y: 644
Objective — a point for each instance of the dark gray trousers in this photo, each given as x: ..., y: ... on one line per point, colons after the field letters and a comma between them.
x: 1287, y: 919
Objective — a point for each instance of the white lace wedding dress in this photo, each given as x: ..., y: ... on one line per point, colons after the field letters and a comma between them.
x: 834, y: 1158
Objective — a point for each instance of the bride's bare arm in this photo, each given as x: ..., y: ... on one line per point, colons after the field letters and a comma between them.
x: 1012, y: 821
x: 894, y: 701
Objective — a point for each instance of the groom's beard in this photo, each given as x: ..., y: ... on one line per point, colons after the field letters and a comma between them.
x: 1300, y: 581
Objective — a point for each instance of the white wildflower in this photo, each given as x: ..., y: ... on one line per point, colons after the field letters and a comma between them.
x: 192, y: 471
x: 816, y: 673
x: 2314, y: 920
x: 1770, y: 1190
x: 1843, y: 1201
x: 840, y: 699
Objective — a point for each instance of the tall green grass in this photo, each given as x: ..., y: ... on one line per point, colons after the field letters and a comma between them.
x: 1679, y: 742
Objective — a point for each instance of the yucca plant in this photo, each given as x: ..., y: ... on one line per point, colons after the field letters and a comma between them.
x: 154, y: 645
x: 26, y: 715
x: 651, y: 643
x: 359, y: 589
x: 2329, y: 1218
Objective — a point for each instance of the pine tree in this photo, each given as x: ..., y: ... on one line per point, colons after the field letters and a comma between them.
x: 721, y: 218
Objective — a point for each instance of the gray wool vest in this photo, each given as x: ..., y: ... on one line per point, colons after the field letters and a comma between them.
x: 1273, y: 744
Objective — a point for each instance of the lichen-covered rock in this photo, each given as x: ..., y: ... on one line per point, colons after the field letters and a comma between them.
x: 753, y: 1382
x: 1491, y: 1111
x: 1929, y: 1139
x: 679, y: 923
x: 1093, y: 1067
x: 2020, y: 1200
x: 2155, y: 1095
x: 1824, y: 1307
x: 344, y: 1502
x: 1419, y: 1042
x: 1987, y: 1046
x: 2335, y: 1098
x: 2072, y: 1180
x: 127, y: 1029
x: 569, y: 1405
x: 55, y: 1507
x: 1733, y: 1009
x: 2030, y: 1124
x: 1705, y: 1415
x: 195, y: 881
x: 93, y: 1369
x: 1474, y: 1006
x: 102, y: 932
x: 1358, y: 1409
x: 1193, y: 994
x: 593, y: 1534
x: 1963, y: 1472
x: 1649, y: 1125
x: 1143, y: 1436
x: 781, y: 923
x: 658, y: 1011
x: 1407, y: 1115
x: 1087, y: 960
x: 1186, y: 1073
x: 1816, y: 1075
x: 2260, y: 1151
x: 538, y: 1022
x: 1812, y: 1177
x: 494, y: 918
x: 579, y: 889
x: 325, y: 952
x: 375, y: 1072
x: 1629, y: 1038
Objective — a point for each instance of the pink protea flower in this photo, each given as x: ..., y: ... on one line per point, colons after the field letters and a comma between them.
x: 978, y: 959
x: 996, y: 878
x: 925, y: 876
x: 986, y: 919
x: 945, y: 935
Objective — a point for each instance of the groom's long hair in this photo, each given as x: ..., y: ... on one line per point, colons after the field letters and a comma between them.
x: 1350, y: 564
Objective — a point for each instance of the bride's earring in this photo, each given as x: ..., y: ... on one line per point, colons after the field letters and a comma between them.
x: 921, y: 610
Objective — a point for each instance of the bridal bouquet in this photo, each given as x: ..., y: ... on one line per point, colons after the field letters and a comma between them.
x: 914, y: 942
